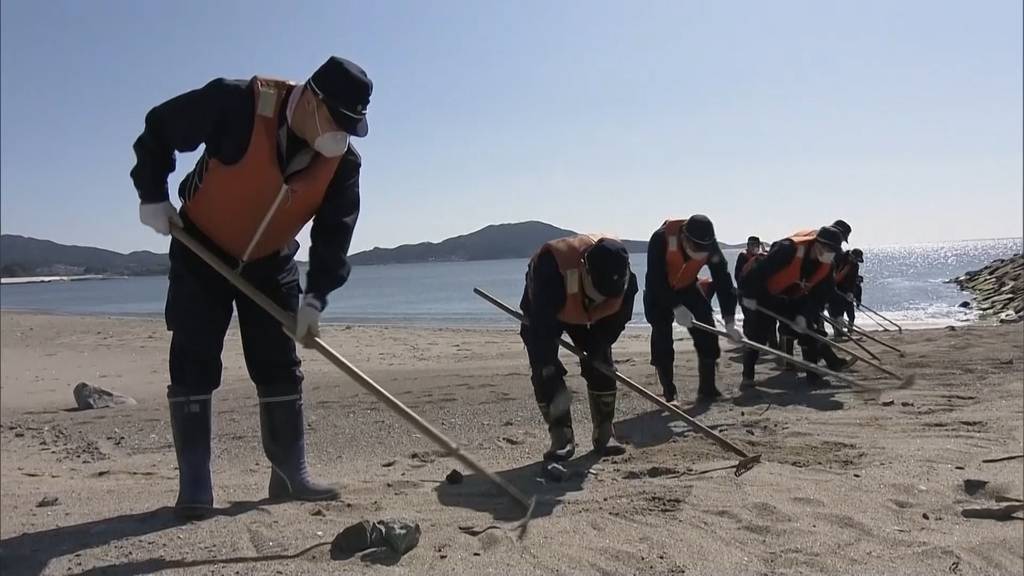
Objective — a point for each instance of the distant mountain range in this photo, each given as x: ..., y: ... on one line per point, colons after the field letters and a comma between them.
x: 23, y: 256
x: 494, y: 242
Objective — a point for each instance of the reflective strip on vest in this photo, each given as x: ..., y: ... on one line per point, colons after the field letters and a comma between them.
x: 681, y: 272
x: 235, y: 201
x: 568, y: 253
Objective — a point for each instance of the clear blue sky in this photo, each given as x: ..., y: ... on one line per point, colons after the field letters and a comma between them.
x: 904, y: 117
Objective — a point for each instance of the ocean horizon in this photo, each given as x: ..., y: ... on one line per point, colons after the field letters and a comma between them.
x: 908, y: 283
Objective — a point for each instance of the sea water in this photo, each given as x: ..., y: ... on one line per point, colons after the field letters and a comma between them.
x: 906, y: 283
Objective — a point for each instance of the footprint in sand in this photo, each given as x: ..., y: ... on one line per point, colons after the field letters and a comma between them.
x: 766, y: 511
x: 652, y: 472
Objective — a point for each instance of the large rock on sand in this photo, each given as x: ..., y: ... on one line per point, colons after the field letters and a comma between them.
x: 88, y: 397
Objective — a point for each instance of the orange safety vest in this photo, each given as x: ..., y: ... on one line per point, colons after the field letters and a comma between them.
x: 788, y: 282
x: 569, y: 253
x: 682, y: 272
x: 233, y: 200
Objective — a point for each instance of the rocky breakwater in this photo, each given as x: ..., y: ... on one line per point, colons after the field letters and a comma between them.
x: 998, y: 288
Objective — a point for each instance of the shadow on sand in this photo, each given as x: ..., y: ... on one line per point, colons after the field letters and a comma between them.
x: 785, y: 389
x: 31, y: 552
x: 478, y: 493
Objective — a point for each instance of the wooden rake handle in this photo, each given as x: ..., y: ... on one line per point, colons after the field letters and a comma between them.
x: 747, y: 460
x: 287, y: 321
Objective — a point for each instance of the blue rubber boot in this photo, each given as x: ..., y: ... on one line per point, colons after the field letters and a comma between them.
x: 284, y: 443
x: 191, y: 427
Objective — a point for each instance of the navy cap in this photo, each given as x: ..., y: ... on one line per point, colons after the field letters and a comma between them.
x: 345, y: 90
x: 830, y: 237
x: 700, y: 230
x: 608, y: 265
x: 843, y: 228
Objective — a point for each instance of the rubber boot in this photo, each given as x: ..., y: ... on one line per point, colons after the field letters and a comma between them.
x: 563, y: 440
x: 706, y: 389
x: 191, y: 426
x: 833, y: 361
x: 749, y: 365
x: 668, y: 387
x: 602, y: 414
x: 284, y: 443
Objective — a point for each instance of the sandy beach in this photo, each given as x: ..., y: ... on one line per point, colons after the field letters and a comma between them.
x: 850, y: 484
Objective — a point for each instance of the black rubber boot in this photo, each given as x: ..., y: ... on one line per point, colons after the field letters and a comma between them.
x: 284, y: 443
x: 833, y: 361
x: 668, y: 387
x: 563, y: 440
x: 826, y: 353
x: 749, y: 366
x: 602, y: 414
x: 706, y: 390
x: 191, y: 427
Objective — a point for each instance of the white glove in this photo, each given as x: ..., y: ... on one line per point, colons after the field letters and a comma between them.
x: 683, y: 316
x: 749, y: 303
x: 307, y: 319
x: 800, y: 325
x: 159, y: 216
x: 730, y: 328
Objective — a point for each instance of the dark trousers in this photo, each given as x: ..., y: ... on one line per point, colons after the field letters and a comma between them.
x: 547, y: 373
x: 199, y: 309
x: 660, y: 316
x: 758, y: 327
x: 838, y: 306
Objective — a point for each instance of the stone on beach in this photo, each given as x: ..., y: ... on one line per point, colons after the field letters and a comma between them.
x: 88, y: 397
x: 998, y: 289
x: 400, y: 536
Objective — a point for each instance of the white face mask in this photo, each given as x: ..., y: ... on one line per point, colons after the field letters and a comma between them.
x: 330, y: 144
x: 692, y: 251
x: 826, y: 257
